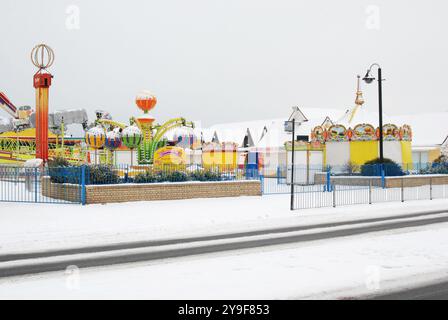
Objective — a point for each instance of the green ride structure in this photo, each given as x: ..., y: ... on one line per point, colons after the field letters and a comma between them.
x: 142, y: 134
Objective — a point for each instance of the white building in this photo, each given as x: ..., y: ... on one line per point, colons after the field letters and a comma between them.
x: 268, y: 136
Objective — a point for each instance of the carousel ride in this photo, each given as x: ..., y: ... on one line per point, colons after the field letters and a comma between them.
x: 142, y: 134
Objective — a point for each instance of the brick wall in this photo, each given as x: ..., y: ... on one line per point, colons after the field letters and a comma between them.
x: 391, y: 182
x: 60, y: 191
x: 149, y: 192
x: 170, y: 191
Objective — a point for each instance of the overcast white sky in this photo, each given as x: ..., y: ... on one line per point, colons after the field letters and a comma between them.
x: 227, y: 60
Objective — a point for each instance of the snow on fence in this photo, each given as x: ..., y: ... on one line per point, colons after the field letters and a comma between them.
x: 20, y: 184
x: 334, y: 194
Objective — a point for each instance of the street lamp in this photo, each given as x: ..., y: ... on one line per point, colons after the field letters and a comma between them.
x: 368, y: 78
x: 297, y: 117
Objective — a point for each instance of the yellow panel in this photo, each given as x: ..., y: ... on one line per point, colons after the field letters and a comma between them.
x: 218, y: 158
x: 406, y: 154
x: 363, y: 151
x: 433, y: 154
x: 27, y: 133
x: 169, y: 155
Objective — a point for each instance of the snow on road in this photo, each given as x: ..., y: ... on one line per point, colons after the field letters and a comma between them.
x: 34, y: 227
x: 314, y: 269
x: 329, y: 268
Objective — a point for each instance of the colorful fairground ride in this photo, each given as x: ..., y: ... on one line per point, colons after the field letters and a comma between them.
x: 353, y: 140
x: 18, y: 134
x: 29, y: 133
x: 141, y: 134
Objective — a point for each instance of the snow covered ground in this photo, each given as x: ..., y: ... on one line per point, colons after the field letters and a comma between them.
x: 34, y: 227
x: 358, y: 265
x: 337, y: 268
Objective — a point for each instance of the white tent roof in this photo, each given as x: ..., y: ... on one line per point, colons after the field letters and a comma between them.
x: 429, y: 129
x: 363, y: 115
x: 237, y: 131
x: 275, y: 135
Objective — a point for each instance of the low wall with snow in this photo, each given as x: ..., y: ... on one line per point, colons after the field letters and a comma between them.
x: 170, y: 191
x: 61, y: 191
x: 390, y: 182
x: 155, y: 191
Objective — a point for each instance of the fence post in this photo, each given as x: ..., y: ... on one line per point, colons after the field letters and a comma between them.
x: 328, y: 180
x: 262, y: 183
x: 370, y: 191
x: 334, y: 195
x: 83, y: 185
x: 383, y: 177
x: 430, y: 188
x: 278, y: 174
x: 402, y: 189
x: 35, y: 185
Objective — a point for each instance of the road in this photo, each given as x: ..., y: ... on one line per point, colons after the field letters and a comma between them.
x: 18, y: 265
x: 156, y: 243
x: 437, y: 291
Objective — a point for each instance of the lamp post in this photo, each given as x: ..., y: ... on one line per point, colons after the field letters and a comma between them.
x: 297, y: 117
x: 293, y: 151
x: 369, y: 79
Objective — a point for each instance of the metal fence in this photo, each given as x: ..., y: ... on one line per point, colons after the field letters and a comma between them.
x: 64, y: 184
x: 318, y: 186
x: 280, y: 182
x: 40, y: 185
x: 389, y: 169
x: 314, y: 186
x: 368, y: 192
x: 106, y: 174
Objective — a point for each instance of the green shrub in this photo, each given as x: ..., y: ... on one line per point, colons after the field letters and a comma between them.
x: 436, y: 168
x: 162, y: 176
x: 205, y: 175
x: 176, y: 176
x: 212, y: 176
x: 146, y: 177
x: 60, y: 171
x: 58, y: 162
x: 375, y: 166
x: 198, y: 176
x: 102, y: 174
x: 351, y: 168
x: 441, y: 159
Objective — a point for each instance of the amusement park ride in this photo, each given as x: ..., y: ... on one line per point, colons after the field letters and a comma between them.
x: 19, y: 115
x: 41, y: 134
x: 141, y: 133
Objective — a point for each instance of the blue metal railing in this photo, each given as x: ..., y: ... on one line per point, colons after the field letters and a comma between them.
x: 40, y: 185
x: 68, y: 184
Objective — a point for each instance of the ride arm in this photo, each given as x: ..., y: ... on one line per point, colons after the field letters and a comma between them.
x: 167, y: 126
x: 171, y: 124
x: 111, y: 123
x: 8, y: 106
